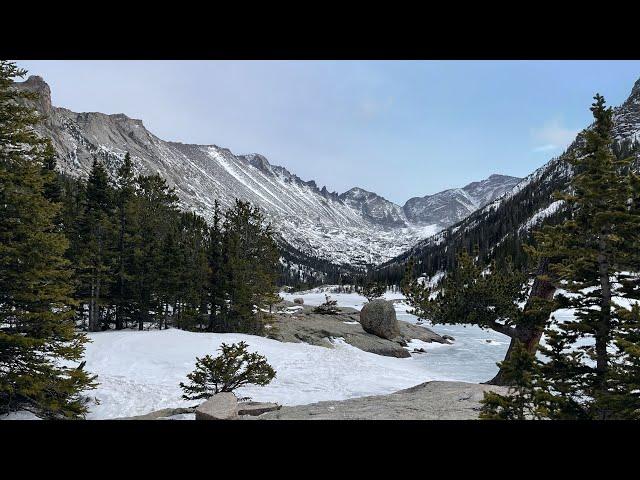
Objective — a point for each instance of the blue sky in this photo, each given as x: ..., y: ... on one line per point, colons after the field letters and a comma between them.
x: 398, y: 128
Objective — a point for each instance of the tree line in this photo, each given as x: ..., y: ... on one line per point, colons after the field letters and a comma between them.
x: 104, y: 254
x: 141, y: 261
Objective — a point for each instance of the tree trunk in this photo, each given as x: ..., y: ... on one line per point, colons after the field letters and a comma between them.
x: 529, y: 336
x: 604, y: 324
x: 120, y: 272
x: 93, y: 307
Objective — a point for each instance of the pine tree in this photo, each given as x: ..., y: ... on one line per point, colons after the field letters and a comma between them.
x: 497, y: 297
x: 232, y: 369
x: 97, y: 243
x: 36, y: 297
x: 251, y: 266
x: 373, y: 290
x: 582, y: 375
x: 156, y: 205
x: 217, y: 275
x: 125, y: 198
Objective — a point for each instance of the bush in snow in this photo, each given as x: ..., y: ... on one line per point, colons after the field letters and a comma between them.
x: 329, y: 307
x: 232, y: 369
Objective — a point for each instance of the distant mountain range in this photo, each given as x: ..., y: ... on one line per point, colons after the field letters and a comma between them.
x: 355, y: 228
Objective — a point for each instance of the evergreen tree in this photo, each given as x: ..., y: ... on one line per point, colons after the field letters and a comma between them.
x: 251, y: 266
x: 96, y: 230
x: 498, y: 297
x: 232, y: 369
x: 373, y: 290
x: 587, y: 366
x: 36, y: 297
x: 156, y: 204
x: 217, y: 275
x: 125, y: 206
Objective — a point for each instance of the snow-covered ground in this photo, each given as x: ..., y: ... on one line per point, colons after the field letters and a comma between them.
x: 140, y: 372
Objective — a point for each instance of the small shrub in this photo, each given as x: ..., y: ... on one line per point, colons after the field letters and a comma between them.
x: 232, y: 369
x: 329, y: 307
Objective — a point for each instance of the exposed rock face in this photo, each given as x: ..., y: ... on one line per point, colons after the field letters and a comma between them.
x: 451, y: 206
x: 222, y: 406
x: 427, y: 401
x: 379, y: 317
x: 160, y: 414
x: 314, y: 329
x: 256, y: 408
x: 375, y: 208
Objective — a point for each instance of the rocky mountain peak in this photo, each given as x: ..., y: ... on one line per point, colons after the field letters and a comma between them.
x: 36, y: 84
x: 627, y: 116
x: 258, y: 161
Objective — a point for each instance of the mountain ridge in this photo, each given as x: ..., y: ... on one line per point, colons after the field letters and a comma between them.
x: 357, y: 228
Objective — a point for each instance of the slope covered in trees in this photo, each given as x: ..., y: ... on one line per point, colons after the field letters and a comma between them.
x: 498, y: 229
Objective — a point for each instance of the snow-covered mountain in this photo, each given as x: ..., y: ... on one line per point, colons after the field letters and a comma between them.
x: 451, y: 206
x: 354, y: 228
x: 501, y: 222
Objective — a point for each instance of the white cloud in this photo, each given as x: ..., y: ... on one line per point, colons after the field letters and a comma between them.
x: 553, y: 135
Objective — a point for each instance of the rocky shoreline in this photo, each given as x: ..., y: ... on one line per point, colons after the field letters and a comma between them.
x: 298, y: 323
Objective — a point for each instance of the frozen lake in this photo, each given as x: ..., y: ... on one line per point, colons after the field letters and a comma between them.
x: 471, y: 358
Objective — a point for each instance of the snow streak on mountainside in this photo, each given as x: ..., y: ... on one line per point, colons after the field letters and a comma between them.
x: 355, y: 228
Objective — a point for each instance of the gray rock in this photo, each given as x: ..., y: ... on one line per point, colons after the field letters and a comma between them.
x: 427, y: 401
x: 298, y: 301
x: 257, y: 408
x: 317, y: 329
x: 222, y: 406
x: 160, y: 414
x: 379, y: 318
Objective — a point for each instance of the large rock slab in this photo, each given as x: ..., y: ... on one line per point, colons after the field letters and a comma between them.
x: 427, y: 401
x: 222, y: 406
x: 379, y: 318
x: 257, y: 408
x: 160, y: 414
x: 308, y: 327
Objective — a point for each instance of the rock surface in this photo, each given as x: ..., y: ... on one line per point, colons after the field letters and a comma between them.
x: 305, y: 326
x: 222, y: 406
x: 427, y: 401
x: 379, y: 317
x: 257, y: 408
x: 160, y: 414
